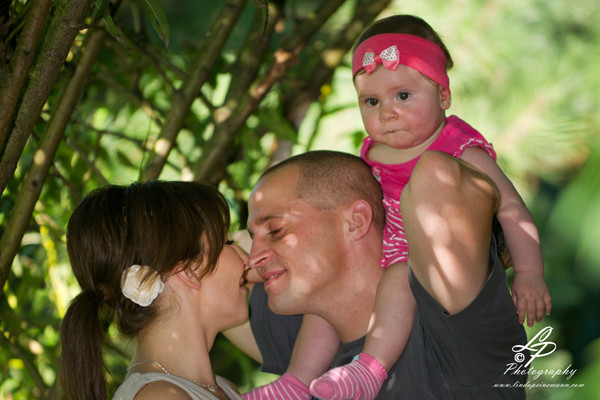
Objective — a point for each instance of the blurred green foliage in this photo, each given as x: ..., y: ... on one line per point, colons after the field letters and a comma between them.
x: 527, y: 75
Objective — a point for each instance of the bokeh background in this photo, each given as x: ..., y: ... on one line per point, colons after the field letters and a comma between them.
x: 216, y: 91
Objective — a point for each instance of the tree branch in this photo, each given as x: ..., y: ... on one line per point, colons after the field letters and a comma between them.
x: 18, y: 221
x: 337, y: 45
x: 183, y: 98
x: 143, y: 103
x: 284, y: 57
x: 307, y: 88
x: 64, y: 25
x: 29, y: 365
x: 252, y: 53
x: 12, y: 85
x: 91, y: 165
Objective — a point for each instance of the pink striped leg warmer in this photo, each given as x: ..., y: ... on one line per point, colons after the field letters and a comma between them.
x: 361, y: 380
x: 286, y: 387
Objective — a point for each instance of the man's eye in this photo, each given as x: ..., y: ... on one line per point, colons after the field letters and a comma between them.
x: 403, y: 96
x: 274, y: 232
x: 372, y: 102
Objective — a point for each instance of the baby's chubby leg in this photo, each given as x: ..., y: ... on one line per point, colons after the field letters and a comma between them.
x: 389, y: 330
x: 392, y: 319
x: 447, y: 208
x: 316, y: 345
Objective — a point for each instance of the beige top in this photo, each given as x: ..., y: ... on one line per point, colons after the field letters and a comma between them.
x: 136, y: 381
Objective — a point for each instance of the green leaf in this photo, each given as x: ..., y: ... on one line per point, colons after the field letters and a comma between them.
x: 159, y: 21
x: 273, y: 121
x: 115, y: 31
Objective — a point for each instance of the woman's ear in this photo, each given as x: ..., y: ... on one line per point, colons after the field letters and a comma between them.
x: 189, y: 276
x: 359, y: 218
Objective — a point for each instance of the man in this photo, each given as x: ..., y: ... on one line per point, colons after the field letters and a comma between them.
x: 316, y: 222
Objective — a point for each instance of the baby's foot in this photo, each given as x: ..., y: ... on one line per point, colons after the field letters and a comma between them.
x: 286, y: 387
x: 361, y: 380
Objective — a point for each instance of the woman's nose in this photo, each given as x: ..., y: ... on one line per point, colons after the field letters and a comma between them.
x: 240, y: 252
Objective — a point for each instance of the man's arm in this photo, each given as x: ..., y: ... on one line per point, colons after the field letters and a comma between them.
x: 241, y: 336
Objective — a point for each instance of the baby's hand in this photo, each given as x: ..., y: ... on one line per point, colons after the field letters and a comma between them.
x: 531, y: 296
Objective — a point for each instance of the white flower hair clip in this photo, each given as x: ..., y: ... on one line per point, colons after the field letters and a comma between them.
x: 131, y: 285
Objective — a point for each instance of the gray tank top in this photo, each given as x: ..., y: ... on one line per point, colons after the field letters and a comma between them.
x: 136, y: 381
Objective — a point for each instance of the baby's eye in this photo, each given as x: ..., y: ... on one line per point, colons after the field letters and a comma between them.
x: 403, y: 96
x: 372, y: 102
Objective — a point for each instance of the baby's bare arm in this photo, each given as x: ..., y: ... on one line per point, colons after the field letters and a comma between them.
x: 530, y: 292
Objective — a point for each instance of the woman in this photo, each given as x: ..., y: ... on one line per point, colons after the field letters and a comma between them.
x: 155, y: 257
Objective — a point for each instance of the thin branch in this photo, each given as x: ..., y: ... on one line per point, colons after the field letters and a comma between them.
x: 311, y: 78
x: 252, y: 53
x: 183, y: 99
x: 157, y: 60
x: 309, y: 26
x: 67, y: 183
x: 145, y: 105
x: 207, y: 103
x: 86, y: 160
x: 29, y: 365
x: 284, y: 57
x: 139, y: 143
x: 243, y: 73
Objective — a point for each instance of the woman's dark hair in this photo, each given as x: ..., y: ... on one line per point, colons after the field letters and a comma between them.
x: 408, y: 24
x: 158, y: 224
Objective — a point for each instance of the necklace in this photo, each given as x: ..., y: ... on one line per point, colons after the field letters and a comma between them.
x: 209, y: 387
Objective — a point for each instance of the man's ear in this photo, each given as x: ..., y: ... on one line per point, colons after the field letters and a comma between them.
x: 189, y: 276
x: 359, y: 217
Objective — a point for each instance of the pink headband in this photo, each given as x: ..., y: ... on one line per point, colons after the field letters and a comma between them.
x: 392, y: 49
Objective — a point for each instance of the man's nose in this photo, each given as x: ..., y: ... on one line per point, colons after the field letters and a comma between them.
x: 259, y: 254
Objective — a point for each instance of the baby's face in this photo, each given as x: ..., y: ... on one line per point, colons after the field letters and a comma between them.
x: 401, y: 109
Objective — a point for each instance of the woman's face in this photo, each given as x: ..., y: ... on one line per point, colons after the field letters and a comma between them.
x: 225, y: 290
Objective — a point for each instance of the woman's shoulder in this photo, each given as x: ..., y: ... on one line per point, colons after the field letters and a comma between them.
x: 229, y: 388
x: 152, y: 385
x: 149, y: 386
x: 157, y: 390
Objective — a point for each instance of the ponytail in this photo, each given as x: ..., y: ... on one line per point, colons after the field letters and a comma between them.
x: 81, y: 364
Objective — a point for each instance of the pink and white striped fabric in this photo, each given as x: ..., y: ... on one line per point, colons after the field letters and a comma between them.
x: 359, y: 380
x: 286, y: 387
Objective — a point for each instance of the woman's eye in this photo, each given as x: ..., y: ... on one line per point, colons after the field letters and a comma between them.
x: 403, y: 96
x: 372, y: 102
x: 229, y: 242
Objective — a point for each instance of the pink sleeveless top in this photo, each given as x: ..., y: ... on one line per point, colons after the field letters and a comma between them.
x: 455, y: 137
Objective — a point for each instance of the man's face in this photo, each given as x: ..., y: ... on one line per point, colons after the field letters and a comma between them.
x: 296, y: 248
